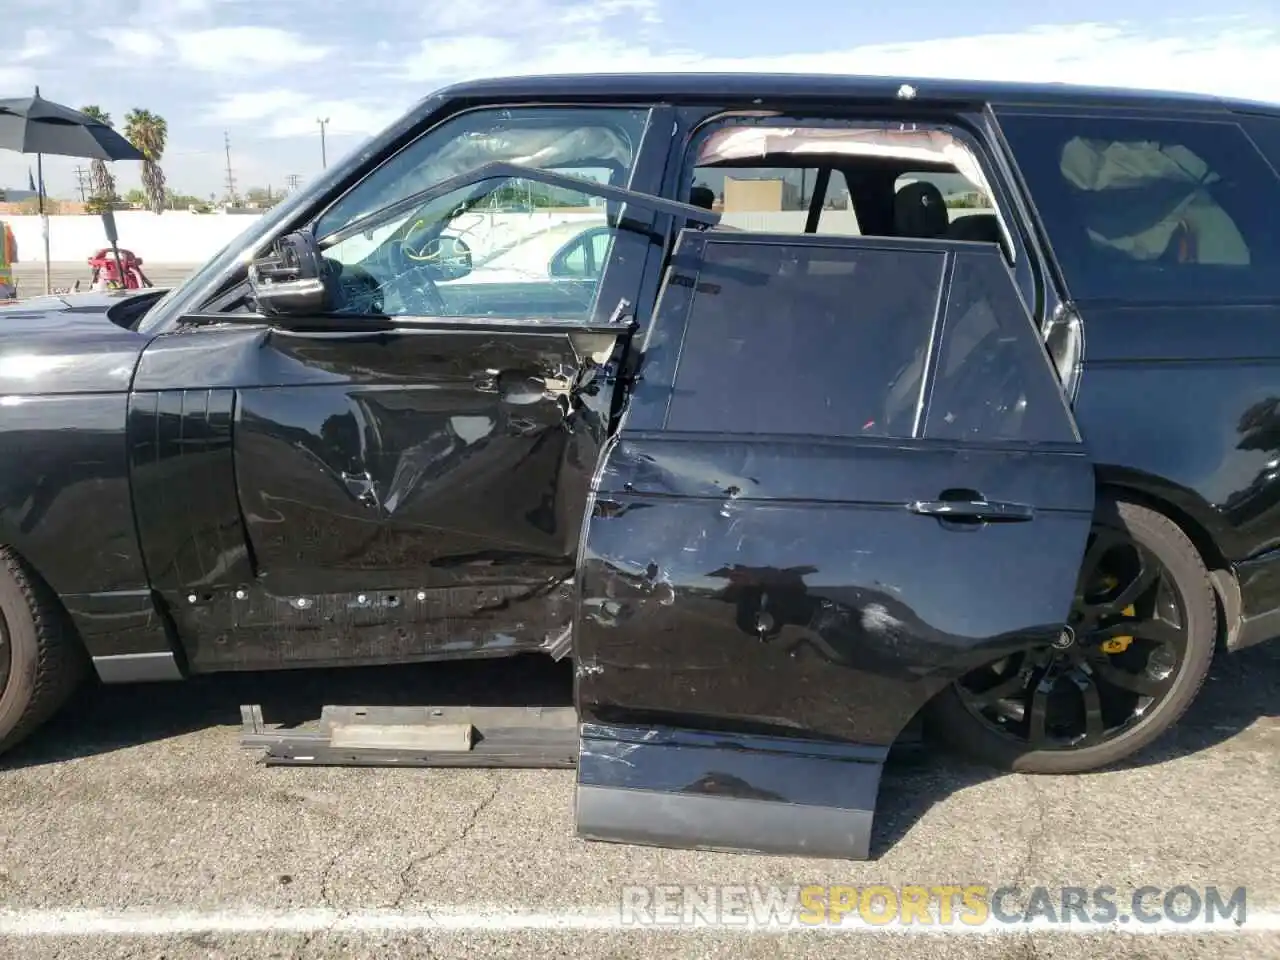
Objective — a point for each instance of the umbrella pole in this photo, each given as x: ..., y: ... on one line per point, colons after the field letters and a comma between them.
x: 44, y: 223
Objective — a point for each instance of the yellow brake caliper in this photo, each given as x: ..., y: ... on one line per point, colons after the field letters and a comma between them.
x: 1117, y: 644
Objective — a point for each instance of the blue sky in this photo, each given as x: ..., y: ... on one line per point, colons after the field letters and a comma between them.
x: 262, y: 72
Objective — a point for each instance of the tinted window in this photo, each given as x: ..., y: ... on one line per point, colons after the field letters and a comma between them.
x: 993, y: 379
x: 792, y: 339
x: 1152, y: 209
x: 1265, y: 132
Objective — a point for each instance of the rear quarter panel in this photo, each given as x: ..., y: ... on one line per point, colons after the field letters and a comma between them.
x: 1184, y: 403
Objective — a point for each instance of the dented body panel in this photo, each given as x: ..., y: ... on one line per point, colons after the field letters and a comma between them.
x: 356, y: 498
x: 785, y: 588
x: 760, y: 621
x: 763, y: 612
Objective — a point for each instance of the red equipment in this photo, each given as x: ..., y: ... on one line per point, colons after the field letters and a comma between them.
x: 104, y: 269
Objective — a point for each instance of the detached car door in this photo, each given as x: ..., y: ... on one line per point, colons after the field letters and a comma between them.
x: 847, y: 477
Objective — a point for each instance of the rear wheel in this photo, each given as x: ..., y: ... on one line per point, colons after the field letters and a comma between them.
x: 40, y: 662
x: 1139, y: 642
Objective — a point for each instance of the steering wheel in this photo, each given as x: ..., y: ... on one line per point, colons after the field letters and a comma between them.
x: 412, y: 290
x: 412, y: 266
x: 359, y: 289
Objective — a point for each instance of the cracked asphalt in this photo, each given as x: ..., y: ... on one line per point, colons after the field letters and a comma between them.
x: 140, y: 798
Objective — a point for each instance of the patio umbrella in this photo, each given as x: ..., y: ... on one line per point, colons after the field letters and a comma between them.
x: 40, y: 126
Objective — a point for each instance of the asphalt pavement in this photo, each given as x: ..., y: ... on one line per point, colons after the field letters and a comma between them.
x: 135, y: 826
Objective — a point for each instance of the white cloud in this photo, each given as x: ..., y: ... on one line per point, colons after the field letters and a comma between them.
x: 1228, y: 62
x: 241, y: 49
x: 601, y: 10
x: 210, y: 65
x: 1233, y: 61
x: 138, y: 44
x: 16, y: 81
x: 464, y: 56
x: 485, y: 16
x: 37, y: 43
x: 343, y: 118
x: 283, y: 113
x: 252, y: 107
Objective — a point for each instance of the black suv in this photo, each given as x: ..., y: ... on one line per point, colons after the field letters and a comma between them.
x: 788, y: 406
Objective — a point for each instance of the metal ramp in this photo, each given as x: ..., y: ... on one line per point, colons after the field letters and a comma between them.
x: 501, y: 737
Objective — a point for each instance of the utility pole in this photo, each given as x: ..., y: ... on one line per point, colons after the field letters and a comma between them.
x: 324, y: 159
x: 81, y: 176
x: 292, y: 181
x: 231, y: 179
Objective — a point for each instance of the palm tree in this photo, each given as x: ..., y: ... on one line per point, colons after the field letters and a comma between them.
x: 102, y: 181
x: 147, y: 131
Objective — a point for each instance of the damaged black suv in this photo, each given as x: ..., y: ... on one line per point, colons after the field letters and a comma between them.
x: 787, y: 406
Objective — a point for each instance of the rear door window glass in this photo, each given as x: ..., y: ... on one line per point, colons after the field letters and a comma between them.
x: 994, y: 381
x: 1265, y: 133
x: 801, y: 339
x: 1152, y: 209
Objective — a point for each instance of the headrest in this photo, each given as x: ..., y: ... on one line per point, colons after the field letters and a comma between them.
x: 920, y: 211
x: 982, y: 227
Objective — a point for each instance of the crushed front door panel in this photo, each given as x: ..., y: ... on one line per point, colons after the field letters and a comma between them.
x: 422, y: 494
x: 847, y: 477
x: 411, y: 464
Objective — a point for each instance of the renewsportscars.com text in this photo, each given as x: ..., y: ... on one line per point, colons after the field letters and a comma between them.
x: 932, y: 905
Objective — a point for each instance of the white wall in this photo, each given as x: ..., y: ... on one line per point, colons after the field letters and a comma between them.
x: 171, y: 237
x: 180, y: 237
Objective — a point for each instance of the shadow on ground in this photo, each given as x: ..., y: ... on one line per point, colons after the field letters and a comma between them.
x: 1242, y: 688
x: 106, y: 718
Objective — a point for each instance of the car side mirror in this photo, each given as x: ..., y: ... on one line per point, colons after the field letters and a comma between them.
x: 292, y: 278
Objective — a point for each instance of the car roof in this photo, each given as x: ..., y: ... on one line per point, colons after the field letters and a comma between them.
x: 720, y: 87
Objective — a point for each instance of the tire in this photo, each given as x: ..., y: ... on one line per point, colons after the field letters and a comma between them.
x: 952, y: 718
x: 43, y: 658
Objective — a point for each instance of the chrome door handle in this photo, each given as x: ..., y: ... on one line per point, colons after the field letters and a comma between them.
x: 985, y: 511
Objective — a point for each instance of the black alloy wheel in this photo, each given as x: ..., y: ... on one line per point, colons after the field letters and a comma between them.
x: 1130, y: 659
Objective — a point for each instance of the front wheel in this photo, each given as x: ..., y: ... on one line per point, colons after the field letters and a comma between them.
x: 1143, y: 628
x: 40, y: 661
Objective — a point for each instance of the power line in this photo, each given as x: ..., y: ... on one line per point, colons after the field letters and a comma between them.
x: 324, y: 159
x: 231, y: 178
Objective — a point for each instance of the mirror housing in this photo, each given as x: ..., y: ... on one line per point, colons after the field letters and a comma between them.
x: 292, y: 278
